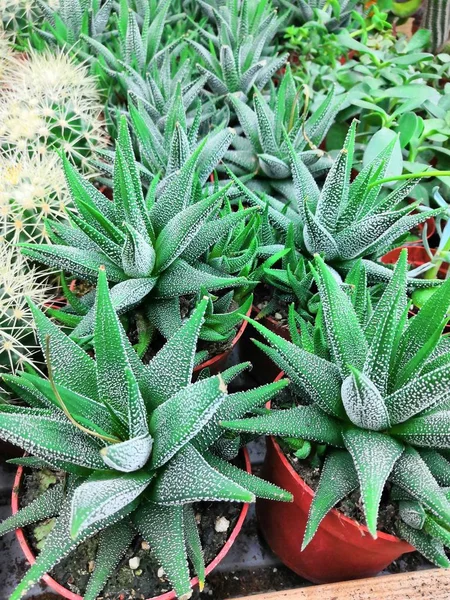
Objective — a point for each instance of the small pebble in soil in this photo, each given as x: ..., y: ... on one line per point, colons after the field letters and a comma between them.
x: 91, y: 566
x: 198, y: 518
x: 161, y: 573
x: 134, y: 563
x: 145, y: 545
x: 138, y: 572
x: 222, y: 524
x: 278, y: 316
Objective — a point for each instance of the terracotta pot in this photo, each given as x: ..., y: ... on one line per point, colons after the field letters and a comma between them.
x: 217, y: 363
x: 341, y: 549
x: 65, y: 593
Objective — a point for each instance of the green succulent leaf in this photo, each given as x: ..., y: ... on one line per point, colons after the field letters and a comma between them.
x: 374, y: 455
x: 189, y: 478
x: 338, y: 479
x: 103, y: 495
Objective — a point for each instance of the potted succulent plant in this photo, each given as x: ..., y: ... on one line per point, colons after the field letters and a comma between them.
x: 152, y: 248
x: 369, y: 412
x: 133, y: 446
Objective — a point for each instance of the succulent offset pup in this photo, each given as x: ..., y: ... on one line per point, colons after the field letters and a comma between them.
x: 345, y: 221
x: 151, y: 248
x: 139, y: 443
x: 263, y: 148
x: 241, y: 40
x: 377, y: 393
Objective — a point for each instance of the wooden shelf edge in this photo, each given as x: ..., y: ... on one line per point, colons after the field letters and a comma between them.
x: 427, y: 584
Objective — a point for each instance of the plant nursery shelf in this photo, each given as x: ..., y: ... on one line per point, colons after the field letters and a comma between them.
x: 428, y: 584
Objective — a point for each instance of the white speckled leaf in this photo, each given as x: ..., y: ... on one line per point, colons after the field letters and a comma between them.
x: 180, y: 418
x: 130, y: 455
x: 157, y: 524
x: 102, y: 495
x: 363, y: 402
x: 374, y: 455
x: 189, y: 478
x: 113, y: 543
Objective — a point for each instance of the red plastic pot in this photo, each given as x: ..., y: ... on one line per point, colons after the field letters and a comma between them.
x: 217, y: 363
x: 65, y: 593
x: 417, y: 255
x: 341, y: 549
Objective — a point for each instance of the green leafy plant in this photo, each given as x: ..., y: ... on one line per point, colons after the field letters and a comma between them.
x: 136, y: 442
x: 377, y: 397
x: 237, y: 55
x: 151, y: 248
x: 262, y: 148
x: 346, y: 221
x: 395, y: 88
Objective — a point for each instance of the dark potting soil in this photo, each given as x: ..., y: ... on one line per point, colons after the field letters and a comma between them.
x: 148, y: 580
x: 262, y: 297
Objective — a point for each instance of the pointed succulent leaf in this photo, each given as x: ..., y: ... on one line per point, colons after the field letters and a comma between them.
x: 48, y: 504
x: 419, y: 394
x: 345, y: 336
x: 193, y: 544
x: 319, y: 378
x: 256, y: 485
x: 59, y: 544
x: 338, y: 479
x: 102, y: 495
x: 374, y: 455
x: 179, y: 353
x: 128, y: 456
x: 180, y: 418
x: 412, y: 475
x: 432, y: 549
x: 182, y: 279
x: 189, y: 478
x: 157, y: 524
x: 427, y: 430
x: 138, y: 255
x: 236, y: 406
x: 181, y: 230
x: 113, y: 542
x: 439, y: 465
x: 334, y: 195
x: 306, y: 422
x: 74, y: 260
x: 49, y: 437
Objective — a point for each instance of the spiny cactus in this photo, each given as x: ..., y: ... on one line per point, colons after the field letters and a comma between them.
x: 263, y: 150
x: 237, y: 56
x: 52, y: 103
x: 5, y: 56
x: 346, y: 221
x: 137, y: 442
x: 18, y: 281
x: 376, y: 394
x: 32, y: 189
x: 152, y: 249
